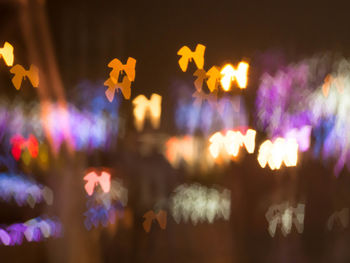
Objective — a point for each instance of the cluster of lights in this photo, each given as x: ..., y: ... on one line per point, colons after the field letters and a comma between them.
x: 23, y: 191
x: 277, y: 152
x: 104, y: 207
x: 285, y: 216
x: 34, y: 230
x: 197, y: 203
x: 230, y: 143
x: 187, y: 150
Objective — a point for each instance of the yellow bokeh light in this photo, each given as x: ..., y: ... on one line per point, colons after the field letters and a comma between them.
x: 229, y: 74
x: 280, y: 151
x: 7, y: 54
x: 231, y: 143
x: 144, y: 107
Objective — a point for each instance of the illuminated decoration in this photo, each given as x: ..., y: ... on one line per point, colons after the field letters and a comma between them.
x: 231, y: 142
x: 23, y: 191
x: 160, y: 217
x: 94, y: 125
x: 144, y: 107
x: 339, y: 217
x: 20, y: 73
x: 119, y: 71
x: 177, y: 149
x: 104, y: 208
x: 19, y: 143
x: 285, y: 216
x: 34, y: 230
x: 212, y: 76
x: 92, y: 180
x: 227, y: 114
x: 6, y: 53
x: 283, y: 99
x: 198, y: 203
x: 281, y: 150
x: 329, y: 82
x: 230, y: 74
x: 302, y: 136
x: 330, y: 116
x: 187, y: 56
x: 189, y: 151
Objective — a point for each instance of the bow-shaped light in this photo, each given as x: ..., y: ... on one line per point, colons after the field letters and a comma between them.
x: 187, y: 56
x: 229, y: 74
x: 286, y: 216
x: 92, y: 180
x: 125, y: 72
x: 6, y: 53
x: 20, y: 73
x: 143, y: 107
x: 161, y: 217
x: 281, y: 150
x: 231, y: 142
x: 19, y: 143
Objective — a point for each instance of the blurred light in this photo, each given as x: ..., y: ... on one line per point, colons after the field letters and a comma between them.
x: 160, y: 217
x: 230, y: 74
x: 281, y: 150
x: 227, y: 113
x: 231, y: 142
x: 211, y: 77
x: 190, y: 151
x: 302, y: 136
x: 19, y: 143
x: 92, y: 180
x: 6, y: 53
x: 151, y: 108
x: 187, y: 55
x: 23, y: 190
x: 286, y: 216
x: 113, y: 82
x: 33, y: 230
x: 104, y: 208
x: 339, y: 217
x: 20, y: 73
x: 282, y: 101
x: 198, y: 203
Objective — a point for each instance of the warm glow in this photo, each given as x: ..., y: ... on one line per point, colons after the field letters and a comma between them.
x: 7, y: 54
x: 143, y: 107
x: 281, y: 150
x: 231, y: 143
x: 92, y: 180
x: 20, y: 73
x: 187, y: 55
x: 124, y: 85
x: 230, y: 74
x: 161, y: 217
